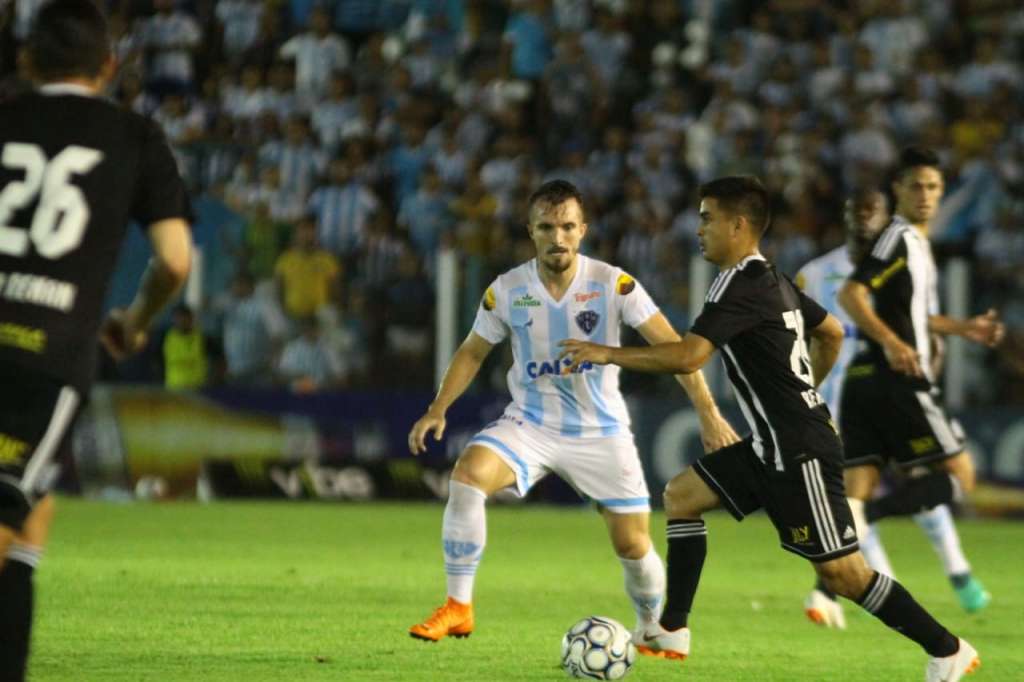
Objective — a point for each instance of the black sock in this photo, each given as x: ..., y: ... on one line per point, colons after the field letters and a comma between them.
x: 888, y: 601
x: 687, y: 547
x: 15, y: 619
x: 819, y: 585
x: 917, y: 495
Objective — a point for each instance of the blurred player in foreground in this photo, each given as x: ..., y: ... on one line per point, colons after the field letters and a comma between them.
x: 75, y: 169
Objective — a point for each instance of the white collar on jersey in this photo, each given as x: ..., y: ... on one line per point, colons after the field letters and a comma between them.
x: 752, y: 257
x: 66, y: 89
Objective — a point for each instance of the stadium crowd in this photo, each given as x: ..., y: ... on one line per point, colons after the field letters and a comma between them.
x: 350, y: 140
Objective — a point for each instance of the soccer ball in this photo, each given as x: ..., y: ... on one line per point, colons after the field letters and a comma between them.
x: 598, y: 648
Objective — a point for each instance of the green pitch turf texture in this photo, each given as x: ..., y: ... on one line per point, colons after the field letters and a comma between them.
x: 307, y: 591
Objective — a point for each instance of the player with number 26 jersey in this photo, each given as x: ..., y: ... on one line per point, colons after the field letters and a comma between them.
x: 75, y: 169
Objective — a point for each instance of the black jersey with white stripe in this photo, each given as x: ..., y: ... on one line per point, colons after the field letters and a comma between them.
x: 757, y: 318
x: 900, y: 272
x: 74, y: 171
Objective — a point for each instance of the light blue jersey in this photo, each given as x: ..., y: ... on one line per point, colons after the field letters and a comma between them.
x: 587, y: 402
x: 821, y: 279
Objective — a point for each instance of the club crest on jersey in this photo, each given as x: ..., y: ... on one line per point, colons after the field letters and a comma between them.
x: 624, y: 284
x: 488, y: 300
x: 587, y: 320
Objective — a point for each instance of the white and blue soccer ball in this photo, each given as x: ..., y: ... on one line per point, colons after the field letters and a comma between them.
x: 598, y: 648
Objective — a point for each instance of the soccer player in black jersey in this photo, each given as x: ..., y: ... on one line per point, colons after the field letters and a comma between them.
x: 792, y: 464
x: 891, y: 410
x: 74, y: 170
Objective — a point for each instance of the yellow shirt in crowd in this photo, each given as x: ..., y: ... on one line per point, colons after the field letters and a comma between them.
x: 306, y: 278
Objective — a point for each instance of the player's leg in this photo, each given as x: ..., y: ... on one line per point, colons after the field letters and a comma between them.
x: 860, y: 481
x: 34, y: 421
x: 887, y: 600
x: 919, y: 431
x: 722, y: 478
x: 505, y: 454
x: 940, y: 529
x: 642, y: 568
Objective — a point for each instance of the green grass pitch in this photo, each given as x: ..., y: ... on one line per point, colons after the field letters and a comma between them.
x: 308, y: 591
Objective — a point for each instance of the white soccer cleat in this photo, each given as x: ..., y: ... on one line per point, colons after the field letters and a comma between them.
x: 952, y: 668
x: 824, y: 611
x: 655, y: 640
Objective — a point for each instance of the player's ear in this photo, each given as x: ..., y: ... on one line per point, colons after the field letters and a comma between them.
x: 107, y: 71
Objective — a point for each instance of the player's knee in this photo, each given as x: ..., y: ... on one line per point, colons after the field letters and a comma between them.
x: 680, y: 499
x: 465, y: 473
x: 845, y: 578
x: 634, y: 545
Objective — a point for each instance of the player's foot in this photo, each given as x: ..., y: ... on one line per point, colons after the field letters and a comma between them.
x: 655, y: 640
x: 454, y: 619
x: 824, y: 611
x: 952, y: 668
x: 973, y: 596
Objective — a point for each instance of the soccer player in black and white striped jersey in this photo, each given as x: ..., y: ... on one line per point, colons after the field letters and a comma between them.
x: 777, y: 345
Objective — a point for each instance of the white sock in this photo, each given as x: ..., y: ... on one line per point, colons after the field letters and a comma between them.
x: 463, y: 536
x: 938, y: 525
x: 645, y: 585
x: 874, y: 552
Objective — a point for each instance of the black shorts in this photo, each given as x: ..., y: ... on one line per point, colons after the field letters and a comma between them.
x: 884, y: 419
x: 36, y: 414
x: 806, y: 501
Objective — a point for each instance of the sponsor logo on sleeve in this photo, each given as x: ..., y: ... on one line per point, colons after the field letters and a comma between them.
x: 625, y: 284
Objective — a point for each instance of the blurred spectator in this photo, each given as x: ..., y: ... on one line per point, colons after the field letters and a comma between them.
x: 307, y: 275
x: 307, y: 363
x: 343, y: 209
x: 297, y: 158
x: 253, y: 330
x: 264, y: 237
x: 528, y: 39
x: 184, y: 349
x: 170, y: 37
x: 318, y: 53
x: 241, y: 24
x: 425, y: 215
x: 409, y: 305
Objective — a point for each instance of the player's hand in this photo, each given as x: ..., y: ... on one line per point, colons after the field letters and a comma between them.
x: 121, y: 336
x: 716, y: 433
x: 583, y: 351
x: 431, y: 421
x: 903, y: 358
x: 986, y: 329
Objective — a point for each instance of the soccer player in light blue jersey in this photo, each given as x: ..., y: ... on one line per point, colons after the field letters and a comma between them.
x: 865, y: 215
x: 574, y: 424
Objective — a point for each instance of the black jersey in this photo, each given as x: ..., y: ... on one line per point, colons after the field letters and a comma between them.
x: 75, y: 170
x: 900, y: 272
x: 757, y: 317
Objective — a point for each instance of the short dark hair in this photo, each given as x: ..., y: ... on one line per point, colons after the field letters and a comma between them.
x: 69, y: 38
x: 555, y: 192
x: 915, y: 157
x: 742, y: 194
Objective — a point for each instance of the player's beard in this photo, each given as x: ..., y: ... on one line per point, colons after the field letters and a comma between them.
x: 558, y: 262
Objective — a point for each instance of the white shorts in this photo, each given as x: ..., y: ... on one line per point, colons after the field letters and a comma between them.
x: 605, y: 469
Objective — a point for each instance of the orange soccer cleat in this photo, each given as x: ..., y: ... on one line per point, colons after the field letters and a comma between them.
x: 454, y: 619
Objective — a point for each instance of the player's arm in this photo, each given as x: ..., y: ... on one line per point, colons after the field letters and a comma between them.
x: 823, y: 349
x: 124, y: 332
x: 855, y: 298
x: 986, y: 329
x: 460, y: 373
x: 716, y: 432
x: 685, y: 356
